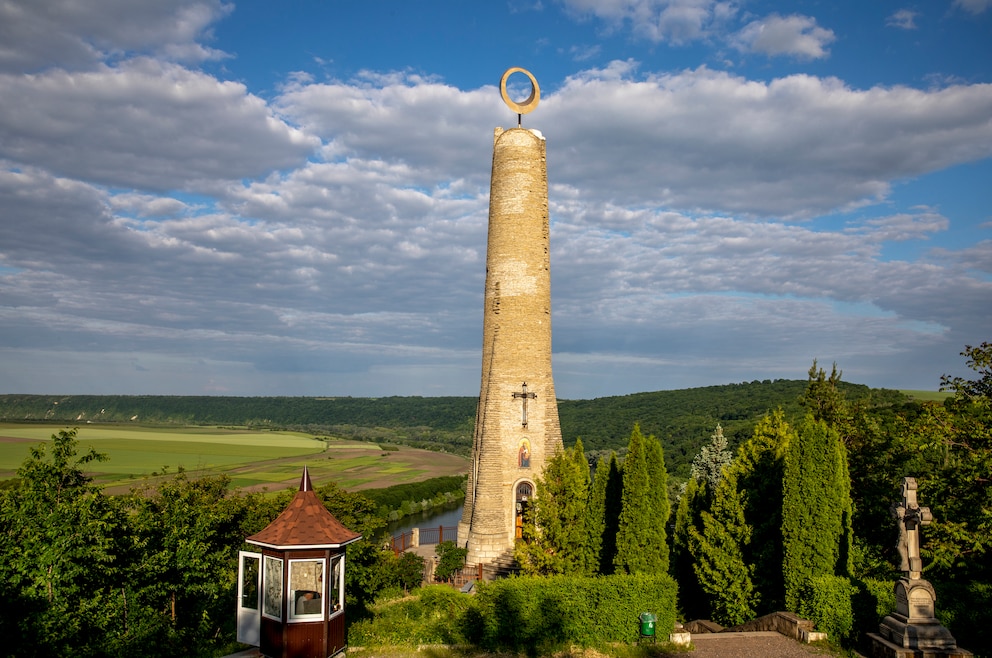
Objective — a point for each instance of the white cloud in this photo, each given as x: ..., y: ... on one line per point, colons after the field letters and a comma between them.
x: 584, y: 53
x: 973, y: 6
x: 904, y: 19
x: 702, y: 139
x: 673, y: 21
x: 794, y: 35
x: 144, y: 124
x: 38, y: 34
x: 794, y: 146
x: 185, y: 235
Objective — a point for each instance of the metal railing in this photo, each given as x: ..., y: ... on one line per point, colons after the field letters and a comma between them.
x: 428, y: 536
x: 436, y: 535
x: 400, y: 543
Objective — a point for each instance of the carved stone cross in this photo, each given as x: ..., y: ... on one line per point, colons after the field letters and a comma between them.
x: 909, y: 517
x: 524, y: 395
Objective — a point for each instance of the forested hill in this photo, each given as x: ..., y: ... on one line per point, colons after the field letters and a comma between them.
x: 683, y: 419
x: 686, y: 419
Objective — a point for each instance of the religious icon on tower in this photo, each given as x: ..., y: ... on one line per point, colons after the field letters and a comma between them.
x: 524, y: 454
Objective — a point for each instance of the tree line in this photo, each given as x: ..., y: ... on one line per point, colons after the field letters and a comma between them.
x: 682, y: 419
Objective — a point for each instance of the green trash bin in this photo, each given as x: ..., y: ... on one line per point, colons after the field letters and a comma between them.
x: 647, y: 625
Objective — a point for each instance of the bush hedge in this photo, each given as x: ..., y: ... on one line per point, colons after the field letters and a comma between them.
x: 538, y: 614
x: 433, y: 616
x: 826, y: 600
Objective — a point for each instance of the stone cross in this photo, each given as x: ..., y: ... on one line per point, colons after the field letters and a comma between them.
x: 524, y: 395
x: 909, y: 517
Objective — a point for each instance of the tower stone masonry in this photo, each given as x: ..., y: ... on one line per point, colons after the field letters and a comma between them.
x: 516, y: 427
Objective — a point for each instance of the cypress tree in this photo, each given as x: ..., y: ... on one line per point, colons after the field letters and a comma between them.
x: 596, y: 516
x: 661, y: 507
x: 611, y: 515
x: 815, y: 508
x: 580, y: 490
x: 737, y: 544
x: 637, y: 551
x: 758, y: 469
x: 719, y: 550
x: 688, y: 517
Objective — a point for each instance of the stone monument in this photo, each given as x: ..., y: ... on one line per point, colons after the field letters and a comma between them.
x: 913, y: 631
x: 516, y: 425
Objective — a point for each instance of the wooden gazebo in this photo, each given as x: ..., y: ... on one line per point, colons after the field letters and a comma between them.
x: 291, y: 594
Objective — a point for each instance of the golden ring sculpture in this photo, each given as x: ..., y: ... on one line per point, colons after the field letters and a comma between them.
x: 535, y: 92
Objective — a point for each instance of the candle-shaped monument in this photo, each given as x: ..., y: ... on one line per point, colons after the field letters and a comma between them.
x: 516, y: 425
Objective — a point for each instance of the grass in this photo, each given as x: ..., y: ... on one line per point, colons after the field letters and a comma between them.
x: 927, y: 396
x: 253, y: 459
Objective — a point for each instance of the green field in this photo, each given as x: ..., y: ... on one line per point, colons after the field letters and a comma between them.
x: 927, y: 396
x: 253, y: 459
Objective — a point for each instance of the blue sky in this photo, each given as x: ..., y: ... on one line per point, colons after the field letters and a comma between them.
x: 257, y: 198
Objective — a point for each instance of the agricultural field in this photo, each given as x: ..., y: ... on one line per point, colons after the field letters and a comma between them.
x: 927, y: 396
x: 255, y: 460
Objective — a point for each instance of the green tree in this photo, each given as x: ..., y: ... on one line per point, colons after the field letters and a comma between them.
x: 612, y: 505
x: 585, y: 563
x: 637, y: 533
x: 719, y: 550
x: 758, y: 471
x: 450, y: 558
x: 688, y: 518
x: 596, y: 516
x: 554, y: 540
x: 708, y: 465
x: 978, y: 390
x: 63, y: 551
x: 410, y: 570
x: 955, y: 443
x: 823, y: 397
x: 188, y: 531
x: 816, y: 509
x: 660, y: 505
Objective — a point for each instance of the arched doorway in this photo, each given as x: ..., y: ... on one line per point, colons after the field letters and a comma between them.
x: 522, y: 497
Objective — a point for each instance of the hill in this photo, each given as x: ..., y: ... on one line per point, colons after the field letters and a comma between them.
x: 683, y: 419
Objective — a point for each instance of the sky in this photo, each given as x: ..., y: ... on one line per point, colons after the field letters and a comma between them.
x: 200, y: 197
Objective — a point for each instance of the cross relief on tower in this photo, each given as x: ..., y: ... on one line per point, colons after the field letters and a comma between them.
x: 524, y: 395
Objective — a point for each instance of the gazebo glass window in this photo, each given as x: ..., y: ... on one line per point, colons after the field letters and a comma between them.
x: 272, y: 588
x: 336, y: 585
x: 306, y: 589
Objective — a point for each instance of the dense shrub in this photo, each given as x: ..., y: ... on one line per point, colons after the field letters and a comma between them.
x: 826, y: 600
x: 872, y: 600
x: 537, y: 615
x: 450, y: 558
x: 432, y: 616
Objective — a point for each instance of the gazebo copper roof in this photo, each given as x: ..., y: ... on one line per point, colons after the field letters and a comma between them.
x: 305, y: 523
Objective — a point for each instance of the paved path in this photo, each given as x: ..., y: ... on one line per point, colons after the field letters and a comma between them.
x: 764, y: 644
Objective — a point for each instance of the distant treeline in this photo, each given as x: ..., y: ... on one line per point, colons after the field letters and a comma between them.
x: 684, y: 419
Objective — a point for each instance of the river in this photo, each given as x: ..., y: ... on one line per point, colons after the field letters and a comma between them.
x: 446, y: 516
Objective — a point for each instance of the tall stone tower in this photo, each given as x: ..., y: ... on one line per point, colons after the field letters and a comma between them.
x: 516, y: 425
